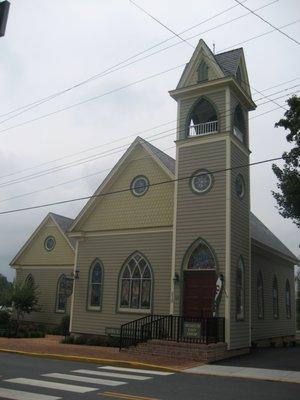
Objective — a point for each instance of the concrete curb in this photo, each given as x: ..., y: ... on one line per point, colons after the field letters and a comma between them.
x: 120, y: 363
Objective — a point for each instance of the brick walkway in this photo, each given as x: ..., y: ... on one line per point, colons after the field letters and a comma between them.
x: 51, y: 344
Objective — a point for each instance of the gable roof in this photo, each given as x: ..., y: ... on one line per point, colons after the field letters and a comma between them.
x: 229, y: 60
x: 166, y: 162
x: 62, y: 224
x: 262, y: 234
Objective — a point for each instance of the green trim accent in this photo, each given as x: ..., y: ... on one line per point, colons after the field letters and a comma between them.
x: 146, y: 187
x: 193, y: 106
x: 54, y: 244
x: 87, y: 307
x: 135, y: 310
x: 204, y: 171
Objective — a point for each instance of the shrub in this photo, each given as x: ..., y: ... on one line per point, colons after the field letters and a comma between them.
x: 4, y: 317
x: 65, y: 325
x: 80, y: 340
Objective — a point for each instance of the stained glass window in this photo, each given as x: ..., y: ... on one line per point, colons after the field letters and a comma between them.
x: 288, y: 299
x: 275, y: 298
x: 136, y: 284
x: 61, y: 296
x: 260, y: 296
x: 49, y: 243
x: 201, y: 181
x: 201, y: 258
x: 30, y: 281
x: 240, y: 290
x: 95, y: 286
x: 139, y: 185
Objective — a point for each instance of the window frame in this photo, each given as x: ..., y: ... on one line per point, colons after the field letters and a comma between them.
x: 288, y: 307
x: 45, y: 243
x: 29, y: 280
x: 201, y: 172
x: 58, y: 310
x: 260, y: 296
x: 89, y: 289
x: 125, y: 266
x: 146, y: 186
x: 275, y: 300
x: 240, y: 314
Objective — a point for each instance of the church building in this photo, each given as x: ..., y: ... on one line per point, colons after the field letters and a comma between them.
x: 166, y: 241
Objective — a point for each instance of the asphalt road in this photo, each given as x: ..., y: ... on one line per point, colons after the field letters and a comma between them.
x: 29, y: 378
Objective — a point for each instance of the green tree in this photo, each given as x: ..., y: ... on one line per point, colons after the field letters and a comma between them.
x: 4, y: 284
x: 288, y: 198
x: 24, y: 299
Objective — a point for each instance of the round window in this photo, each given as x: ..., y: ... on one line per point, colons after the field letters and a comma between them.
x: 240, y: 186
x: 49, y: 243
x: 201, y: 181
x: 139, y: 185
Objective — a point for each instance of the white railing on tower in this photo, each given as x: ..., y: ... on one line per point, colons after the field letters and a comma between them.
x: 203, y: 128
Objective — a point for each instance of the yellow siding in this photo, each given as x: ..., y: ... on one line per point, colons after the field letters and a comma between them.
x: 36, y: 254
x: 46, y: 279
x: 125, y: 211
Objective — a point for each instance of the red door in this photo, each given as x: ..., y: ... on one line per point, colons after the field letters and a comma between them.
x: 199, y: 293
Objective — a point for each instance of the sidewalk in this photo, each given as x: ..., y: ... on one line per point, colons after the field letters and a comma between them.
x: 50, y: 346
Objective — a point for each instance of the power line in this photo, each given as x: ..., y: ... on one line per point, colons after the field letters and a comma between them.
x: 102, y: 154
x: 105, y: 153
x: 267, y: 22
x: 210, y: 59
x: 98, y: 172
x: 124, y: 137
x: 129, y: 189
x: 95, y: 76
x: 114, y: 69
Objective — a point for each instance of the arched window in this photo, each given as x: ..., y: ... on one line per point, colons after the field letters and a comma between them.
x: 260, y: 296
x: 201, y: 257
x: 61, y: 296
x: 202, y: 72
x: 95, y: 286
x: 240, y: 290
x: 136, y: 282
x: 275, y: 298
x: 203, y: 119
x: 239, y: 124
x: 288, y: 299
x: 29, y: 281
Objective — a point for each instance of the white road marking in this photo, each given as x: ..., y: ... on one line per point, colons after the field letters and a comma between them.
x: 85, y: 379
x: 51, y: 385
x: 140, y: 371
x: 21, y: 395
x: 112, y: 374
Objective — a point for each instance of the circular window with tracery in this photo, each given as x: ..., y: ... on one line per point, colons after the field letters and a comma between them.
x: 139, y: 186
x: 240, y: 186
x: 201, y: 181
x: 49, y: 243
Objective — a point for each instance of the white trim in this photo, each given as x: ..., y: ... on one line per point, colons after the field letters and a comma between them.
x: 122, y: 232
x: 208, y: 138
x: 228, y: 246
x: 47, y: 268
x: 227, y: 109
x: 112, y: 175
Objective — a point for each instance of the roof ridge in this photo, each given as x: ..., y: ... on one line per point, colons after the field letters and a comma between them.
x: 229, y: 51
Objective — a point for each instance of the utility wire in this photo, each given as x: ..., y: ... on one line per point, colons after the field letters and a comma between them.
x: 124, y: 137
x: 129, y: 189
x: 116, y: 68
x: 102, y: 154
x: 267, y: 22
x: 95, y: 157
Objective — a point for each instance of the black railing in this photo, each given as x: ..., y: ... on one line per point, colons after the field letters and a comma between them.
x: 173, y: 328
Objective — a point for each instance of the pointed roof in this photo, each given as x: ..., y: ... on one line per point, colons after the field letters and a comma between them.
x: 229, y: 61
x: 167, y: 160
x: 64, y: 223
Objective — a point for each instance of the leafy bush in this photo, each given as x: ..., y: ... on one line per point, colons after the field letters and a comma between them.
x: 106, y: 341
x: 4, y: 317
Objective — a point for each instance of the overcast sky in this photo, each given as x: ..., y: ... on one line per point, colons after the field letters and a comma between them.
x: 51, y: 45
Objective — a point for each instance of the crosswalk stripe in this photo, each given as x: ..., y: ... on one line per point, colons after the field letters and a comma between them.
x: 85, y: 379
x: 51, y: 385
x: 112, y: 374
x: 140, y: 371
x: 21, y: 395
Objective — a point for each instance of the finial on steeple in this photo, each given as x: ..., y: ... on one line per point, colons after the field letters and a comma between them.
x: 214, y: 47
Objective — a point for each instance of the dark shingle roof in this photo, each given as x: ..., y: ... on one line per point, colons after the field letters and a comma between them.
x: 64, y: 224
x: 229, y: 61
x: 167, y: 160
x: 258, y: 230
x: 262, y: 234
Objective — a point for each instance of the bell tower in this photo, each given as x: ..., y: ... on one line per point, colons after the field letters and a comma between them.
x: 211, y: 239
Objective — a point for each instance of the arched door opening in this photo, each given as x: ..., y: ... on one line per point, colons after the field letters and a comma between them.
x: 199, y: 281
x: 203, y: 119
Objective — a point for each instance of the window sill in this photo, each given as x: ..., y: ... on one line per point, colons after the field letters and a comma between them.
x: 134, y: 311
